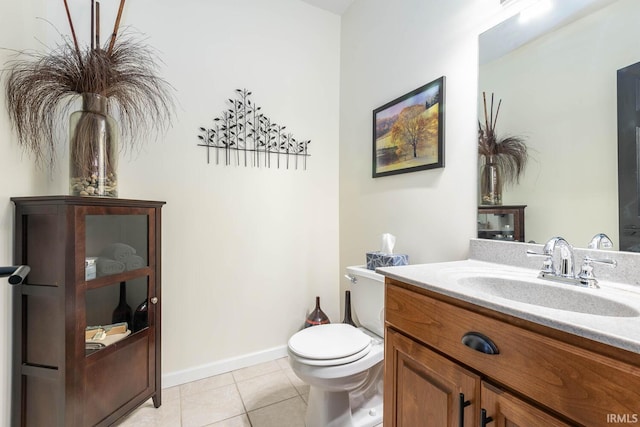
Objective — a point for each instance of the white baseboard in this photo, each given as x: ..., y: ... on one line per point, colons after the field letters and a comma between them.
x: 221, y: 366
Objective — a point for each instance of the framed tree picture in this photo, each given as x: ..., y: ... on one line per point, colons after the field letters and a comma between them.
x: 408, y: 132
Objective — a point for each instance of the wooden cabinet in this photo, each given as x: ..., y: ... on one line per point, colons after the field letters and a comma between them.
x: 428, y: 386
x: 501, y: 222
x: 82, y: 252
x: 503, y: 409
x: 542, y: 373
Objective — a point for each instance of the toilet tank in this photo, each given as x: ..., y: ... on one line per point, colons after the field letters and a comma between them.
x: 367, y: 298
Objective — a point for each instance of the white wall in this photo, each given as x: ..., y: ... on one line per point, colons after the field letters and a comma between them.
x: 245, y: 250
x: 389, y: 49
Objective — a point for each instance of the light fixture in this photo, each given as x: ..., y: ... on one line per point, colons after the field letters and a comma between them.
x: 527, y: 9
x: 535, y: 10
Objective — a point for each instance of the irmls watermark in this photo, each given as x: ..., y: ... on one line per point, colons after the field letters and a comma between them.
x: 623, y: 418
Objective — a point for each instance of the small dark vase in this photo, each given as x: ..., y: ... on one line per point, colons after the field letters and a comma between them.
x: 122, y: 313
x: 141, y: 316
x: 317, y: 316
x: 347, y: 309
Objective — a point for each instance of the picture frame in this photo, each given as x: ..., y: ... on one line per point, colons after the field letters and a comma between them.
x: 408, y: 132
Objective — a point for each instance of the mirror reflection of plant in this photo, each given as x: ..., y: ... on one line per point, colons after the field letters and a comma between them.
x: 40, y: 87
x: 509, y: 153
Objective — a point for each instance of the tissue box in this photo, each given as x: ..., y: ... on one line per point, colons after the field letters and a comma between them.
x: 378, y: 259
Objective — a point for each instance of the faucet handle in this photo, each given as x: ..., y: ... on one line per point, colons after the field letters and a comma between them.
x: 547, y: 264
x: 606, y: 261
x: 586, y: 275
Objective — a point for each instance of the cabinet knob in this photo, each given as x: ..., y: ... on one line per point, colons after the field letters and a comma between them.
x: 479, y: 342
x: 484, y: 420
x: 154, y: 300
x: 463, y: 403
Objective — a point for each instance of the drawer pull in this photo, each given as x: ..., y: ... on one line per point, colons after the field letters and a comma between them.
x: 484, y: 420
x: 480, y: 343
x: 463, y: 404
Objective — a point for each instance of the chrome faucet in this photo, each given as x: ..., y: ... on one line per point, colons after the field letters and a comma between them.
x: 564, y: 271
x: 550, y: 267
x: 600, y: 241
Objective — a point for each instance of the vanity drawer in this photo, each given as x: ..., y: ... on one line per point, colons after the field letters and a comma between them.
x: 582, y: 385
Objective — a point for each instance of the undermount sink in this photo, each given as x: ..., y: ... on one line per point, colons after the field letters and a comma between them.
x: 535, y: 292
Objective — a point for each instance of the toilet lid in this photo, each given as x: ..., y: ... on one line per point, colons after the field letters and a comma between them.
x: 330, y: 341
x: 333, y: 362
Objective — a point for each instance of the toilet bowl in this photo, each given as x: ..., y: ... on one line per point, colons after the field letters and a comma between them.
x: 343, y: 364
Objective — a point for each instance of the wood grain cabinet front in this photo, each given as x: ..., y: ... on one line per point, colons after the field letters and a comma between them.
x: 86, y: 347
x: 502, y: 409
x: 569, y: 379
x: 427, y: 387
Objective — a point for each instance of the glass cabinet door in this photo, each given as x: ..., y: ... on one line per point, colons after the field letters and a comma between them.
x: 495, y: 226
x: 115, y: 244
x: 118, y: 282
x: 501, y: 222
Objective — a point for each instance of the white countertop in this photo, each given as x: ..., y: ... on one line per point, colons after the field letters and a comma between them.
x: 455, y: 279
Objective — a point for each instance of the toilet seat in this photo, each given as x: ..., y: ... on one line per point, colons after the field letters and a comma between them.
x: 334, y: 362
x: 330, y: 344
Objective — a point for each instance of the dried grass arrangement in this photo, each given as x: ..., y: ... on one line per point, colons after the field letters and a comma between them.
x: 509, y: 153
x: 41, y: 88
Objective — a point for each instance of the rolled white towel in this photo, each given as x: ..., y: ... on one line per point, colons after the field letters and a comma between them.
x: 134, y: 262
x: 118, y: 251
x: 106, y: 266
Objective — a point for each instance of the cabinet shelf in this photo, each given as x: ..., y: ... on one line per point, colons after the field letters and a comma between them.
x: 100, y: 282
x: 116, y: 346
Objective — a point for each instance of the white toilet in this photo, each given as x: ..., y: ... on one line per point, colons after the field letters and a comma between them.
x: 344, y: 365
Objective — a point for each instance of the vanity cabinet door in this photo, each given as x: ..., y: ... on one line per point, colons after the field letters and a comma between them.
x: 502, y: 409
x: 423, y: 388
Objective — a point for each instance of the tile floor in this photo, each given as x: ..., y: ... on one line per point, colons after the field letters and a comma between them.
x: 265, y: 395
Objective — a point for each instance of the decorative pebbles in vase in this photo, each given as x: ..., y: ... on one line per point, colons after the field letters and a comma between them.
x: 490, y: 182
x: 93, y: 153
x: 503, y: 159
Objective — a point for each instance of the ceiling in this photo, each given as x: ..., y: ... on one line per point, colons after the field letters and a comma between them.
x: 335, y: 6
x: 513, y: 32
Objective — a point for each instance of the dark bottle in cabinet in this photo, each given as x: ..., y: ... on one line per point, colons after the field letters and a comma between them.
x: 71, y: 365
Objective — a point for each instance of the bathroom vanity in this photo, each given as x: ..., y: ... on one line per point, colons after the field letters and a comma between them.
x: 463, y: 348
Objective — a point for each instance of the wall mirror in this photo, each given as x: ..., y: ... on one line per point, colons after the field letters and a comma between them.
x: 558, y: 90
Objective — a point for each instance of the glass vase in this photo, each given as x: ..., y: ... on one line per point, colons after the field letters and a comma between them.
x: 93, y: 149
x: 347, y: 309
x: 141, y: 316
x: 317, y: 316
x: 122, y: 312
x: 490, y: 182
